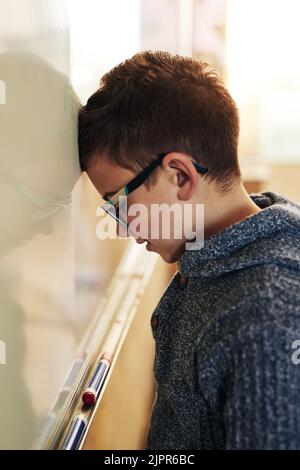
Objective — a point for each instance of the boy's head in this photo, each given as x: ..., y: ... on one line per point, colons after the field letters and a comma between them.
x: 152, y: 103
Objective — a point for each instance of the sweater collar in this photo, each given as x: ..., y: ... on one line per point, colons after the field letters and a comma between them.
x: 245, y: 243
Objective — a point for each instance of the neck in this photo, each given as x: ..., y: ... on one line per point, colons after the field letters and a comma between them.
x: 222, y: 211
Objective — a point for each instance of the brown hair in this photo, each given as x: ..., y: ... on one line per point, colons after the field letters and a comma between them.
x: 158, y: 102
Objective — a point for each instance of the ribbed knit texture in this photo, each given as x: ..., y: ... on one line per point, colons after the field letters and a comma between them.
x: 223, y: 345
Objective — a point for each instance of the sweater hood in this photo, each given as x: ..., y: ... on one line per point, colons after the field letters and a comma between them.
x: 270, y: 236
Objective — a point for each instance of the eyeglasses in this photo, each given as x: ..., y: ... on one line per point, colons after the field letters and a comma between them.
x: 112, y: 206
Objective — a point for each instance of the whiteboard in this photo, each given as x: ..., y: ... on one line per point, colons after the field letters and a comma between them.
x: 53, y: 269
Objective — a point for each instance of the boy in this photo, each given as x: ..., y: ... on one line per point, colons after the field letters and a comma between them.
x: 163, y: 129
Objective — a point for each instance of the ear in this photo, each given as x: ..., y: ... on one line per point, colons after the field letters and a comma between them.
x: 186, y: 174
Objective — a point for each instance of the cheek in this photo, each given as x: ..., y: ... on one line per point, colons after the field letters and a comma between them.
x: 167, y: 225
x: 138, y: 219
x: 144, y: 217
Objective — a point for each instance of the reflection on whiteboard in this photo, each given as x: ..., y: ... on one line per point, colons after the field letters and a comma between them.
x: 38, y: 170
x: 53, y: 268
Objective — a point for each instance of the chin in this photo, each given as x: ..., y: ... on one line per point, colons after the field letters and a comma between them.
x: 169, y: 258
x: 169, y: 254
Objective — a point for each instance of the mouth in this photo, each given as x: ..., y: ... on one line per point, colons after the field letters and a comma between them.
x: 148, y: 245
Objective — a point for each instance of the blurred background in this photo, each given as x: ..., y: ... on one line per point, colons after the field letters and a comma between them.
x: 253, y: 44
x: 54, y: 271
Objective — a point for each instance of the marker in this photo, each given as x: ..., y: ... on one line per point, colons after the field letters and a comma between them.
x: 91, y: 393
x: 75, y: 433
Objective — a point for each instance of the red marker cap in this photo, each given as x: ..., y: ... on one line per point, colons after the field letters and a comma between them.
x: 89, y: 398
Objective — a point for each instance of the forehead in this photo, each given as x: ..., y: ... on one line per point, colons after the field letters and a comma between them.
x: 108, y: 178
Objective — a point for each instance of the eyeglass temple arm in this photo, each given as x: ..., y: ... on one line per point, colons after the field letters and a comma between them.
x: 143, y: 175
x: 138, y: 180
x: 200, y: 168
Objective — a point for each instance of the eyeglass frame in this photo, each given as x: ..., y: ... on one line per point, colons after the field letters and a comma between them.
x: 137, y: 181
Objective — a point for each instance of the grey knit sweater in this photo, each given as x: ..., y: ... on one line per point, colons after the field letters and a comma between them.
x: 224, y: 331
